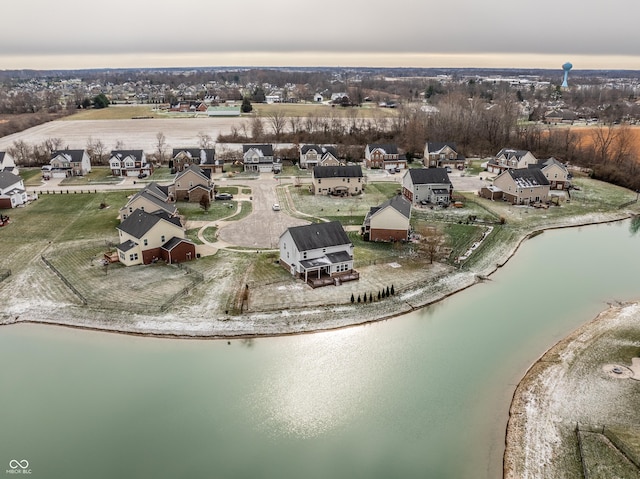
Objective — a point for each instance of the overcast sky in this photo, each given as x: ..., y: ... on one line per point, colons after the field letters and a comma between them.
x: 43, y: 34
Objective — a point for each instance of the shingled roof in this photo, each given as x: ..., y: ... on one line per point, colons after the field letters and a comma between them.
x: 528, y: 177
x: 140, y: 222
x: 318, y: 235
x: 74, y: 156
x: 429, y: 176
x: 351, y: 171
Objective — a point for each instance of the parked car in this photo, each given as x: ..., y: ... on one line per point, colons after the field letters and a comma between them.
x: 224, y: 196
x: 448, y: 169
x: 275, y: 207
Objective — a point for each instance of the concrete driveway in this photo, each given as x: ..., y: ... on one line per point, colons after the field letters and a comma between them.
x: 263, y: 227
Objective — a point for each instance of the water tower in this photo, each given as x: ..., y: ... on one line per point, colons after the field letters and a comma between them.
x: 566, y: 67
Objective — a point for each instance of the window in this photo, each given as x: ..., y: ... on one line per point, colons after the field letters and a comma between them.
x: 133, y: 257
x: 145, y: 241
x: 162, y: 239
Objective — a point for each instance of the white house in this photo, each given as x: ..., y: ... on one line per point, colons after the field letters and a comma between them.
x: 319, y: 253
x: 12, y: 192
x: 129, y: 163
x: 7, y: 163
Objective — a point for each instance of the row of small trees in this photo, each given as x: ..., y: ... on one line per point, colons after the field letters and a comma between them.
x: 383, y: 293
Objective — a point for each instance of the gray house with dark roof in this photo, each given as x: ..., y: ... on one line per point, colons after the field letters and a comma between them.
x: 260, y: 158
x: 319, y: 253
x: 388, y: 222
x: 431, y: 185
x: 144, y: 235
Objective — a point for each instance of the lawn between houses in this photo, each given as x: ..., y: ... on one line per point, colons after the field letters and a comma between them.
x: 72, y: 232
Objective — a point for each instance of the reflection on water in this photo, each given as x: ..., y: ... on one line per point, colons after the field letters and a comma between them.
x: 422, y: 395
x: 306, y: 395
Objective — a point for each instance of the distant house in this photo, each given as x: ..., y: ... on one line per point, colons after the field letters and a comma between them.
x: 66, y: 163
x: 337, y: 180
x: 7, y: 163
x: 431, y: 185
x: 563, y: 116
x: 442, y: 155
x: 384, y: 156
x: 319, y: 253
x: 520, y: 186
x: 205, y: 158
x: 147, y: 237
x: 318, y: 155
x: 129, y: 163
x: 12, y: 191
x: 152, y: 198
x: 190, y: 184
x: 223, y: 111
x: 389, y: 221
x: 555, y: 171
x: 508, y: 158
x: 259, y: 158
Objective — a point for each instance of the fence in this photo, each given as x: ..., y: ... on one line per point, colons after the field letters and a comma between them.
x: 66, y: 192
x: 64, y: 280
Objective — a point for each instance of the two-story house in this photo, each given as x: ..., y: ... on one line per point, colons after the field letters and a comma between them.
x: 190, y: 184
x: 12, y: 191
x: 152, y: 198
x: 555, y: 171
x: 319, y: 253
x: 66, y: 163
x: 205, y: 158
x: 149, y: 237
x: 129, y: 163
x: 427, y: 185
x: 508, y: 158
x: 388, y: 222
x: 521, y: 186
x: 318, y: 155
x: 260, y: 158
x: 442, y: 155
x: 337, y: 180
x: 384, y: 156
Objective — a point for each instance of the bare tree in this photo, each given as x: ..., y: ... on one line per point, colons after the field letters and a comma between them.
x: 277, y: 121
x: 161, y: 146
x: 21, y: 152
x: 257, y: 129
x: 205, y: 140
x: 96, y: 151
x: 432, y: 242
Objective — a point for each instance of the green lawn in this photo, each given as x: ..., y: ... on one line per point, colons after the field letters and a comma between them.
x: 31, y: 176
x: 217, y: 210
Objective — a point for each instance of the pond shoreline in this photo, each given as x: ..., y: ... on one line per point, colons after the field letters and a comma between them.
x: 286, y: 321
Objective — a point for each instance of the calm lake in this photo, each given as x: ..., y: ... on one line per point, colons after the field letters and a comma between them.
x: 425, y: 395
